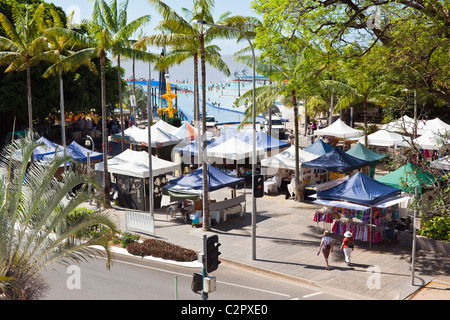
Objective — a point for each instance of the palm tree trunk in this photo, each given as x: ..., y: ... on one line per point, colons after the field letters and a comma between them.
x: 365, y: 122
x: 30, y: 105
x: 297, y: 154
x: 206, y: 222
x: 134, y: 86
x: 106, y: 178
x: 196, y: 105
x: 63, y: 117
x: 122, y: 127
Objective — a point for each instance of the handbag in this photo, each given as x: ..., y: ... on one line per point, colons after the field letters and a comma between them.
x: 351, y: 244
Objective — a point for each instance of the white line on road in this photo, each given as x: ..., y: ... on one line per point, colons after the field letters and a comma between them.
x: 312, y: 294
x: 186, y: 275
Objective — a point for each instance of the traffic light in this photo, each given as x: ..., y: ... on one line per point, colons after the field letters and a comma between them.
x: 212, y: 253
x: 258, y: 186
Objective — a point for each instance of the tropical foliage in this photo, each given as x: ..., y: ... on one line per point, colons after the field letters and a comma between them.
x: 34, y: 224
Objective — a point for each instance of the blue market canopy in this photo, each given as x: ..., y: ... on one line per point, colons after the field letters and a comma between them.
x: 336, y: 160
x: 80, y: 153
x: 319, y: 147
x: 48, y: 149
x: 360, y: 189
x: 263, y: 141
x: 193, y: 182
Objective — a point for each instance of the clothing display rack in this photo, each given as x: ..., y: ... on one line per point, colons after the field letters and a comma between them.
x: 371, y: 226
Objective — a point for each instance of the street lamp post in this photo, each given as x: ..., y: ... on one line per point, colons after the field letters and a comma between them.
x: 203, y: 22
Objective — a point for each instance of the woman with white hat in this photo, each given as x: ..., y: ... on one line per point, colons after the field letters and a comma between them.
x: 347, y: 246
x: 326, y: 245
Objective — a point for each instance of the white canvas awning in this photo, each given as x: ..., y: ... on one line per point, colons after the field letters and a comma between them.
x: 435, y: 125
x: 339, y: 129
x: 286, y: 159
x: 404, y: 124
x: 233, y: 149
x: 139, y: 136
x: 442, y: 163
x: 384, y: 138
x: 431, y: 140
x: 165, y: 127
x: 135, y: 164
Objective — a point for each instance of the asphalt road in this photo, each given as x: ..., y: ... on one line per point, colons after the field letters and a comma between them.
x: 132, y: 278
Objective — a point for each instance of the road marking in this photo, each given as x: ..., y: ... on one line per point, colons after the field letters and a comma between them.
x: 186, y: 275
x: 255, y: 289
x: 312, y: 294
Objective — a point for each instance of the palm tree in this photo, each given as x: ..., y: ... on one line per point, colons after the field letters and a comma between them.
x: 60, y: 48
x: 97, y: 43
x: 184, y: 39
x: 290, y: 77
x: 363, y: 92
x: 34, y: 229
x: 23, y: 44
x: 114, y: 18
x: 189, y: 41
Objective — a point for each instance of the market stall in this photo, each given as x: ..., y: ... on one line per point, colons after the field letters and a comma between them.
x: 407, y: 178
x: 365, y: 199
x: 339, y: 129
x: 131, y: 169
x: 319, y: 147
x: 361, y: 152
x: 191, y: 187
x: 282, y: 168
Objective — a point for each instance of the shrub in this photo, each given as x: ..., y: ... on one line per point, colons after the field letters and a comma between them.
x: 161, y: 249
x: 127, y: 238
x: 436, y: 228
x: 79, y: 215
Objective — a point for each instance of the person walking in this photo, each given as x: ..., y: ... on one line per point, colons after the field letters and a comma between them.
x: 326, y: 245
x: 348, y: 246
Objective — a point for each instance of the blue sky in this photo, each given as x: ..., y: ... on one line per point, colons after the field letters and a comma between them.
x: 137, y: 8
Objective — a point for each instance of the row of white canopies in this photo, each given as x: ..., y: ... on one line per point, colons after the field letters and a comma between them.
x: 430, y: 132
x: 162, y: 134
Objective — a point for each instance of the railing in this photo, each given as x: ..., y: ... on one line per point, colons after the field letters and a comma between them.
x: 142, y: 222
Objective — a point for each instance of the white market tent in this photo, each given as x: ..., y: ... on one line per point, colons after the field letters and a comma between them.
x: 431, y: 140
x: 339, y: 129
x: 442, y: 163
x: 135, y: 164
x: 384, y: 138
x: 233, y: 149
x: 435, y: 125
x: 139, y: 136
x: 404, y: 124
x: 186, y: 132
x: 161, y: 138
x: 286, y: 159
x: 166, y: 127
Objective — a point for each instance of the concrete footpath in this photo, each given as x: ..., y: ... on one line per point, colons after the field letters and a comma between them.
x: 287, y: 242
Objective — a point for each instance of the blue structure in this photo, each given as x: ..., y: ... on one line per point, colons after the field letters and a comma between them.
x: 194, y: 180
x: 360, y: 189
x: 319, y: 147
x: 336, y: 160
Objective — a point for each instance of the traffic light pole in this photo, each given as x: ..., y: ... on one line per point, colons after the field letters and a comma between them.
x: 205, y: 274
